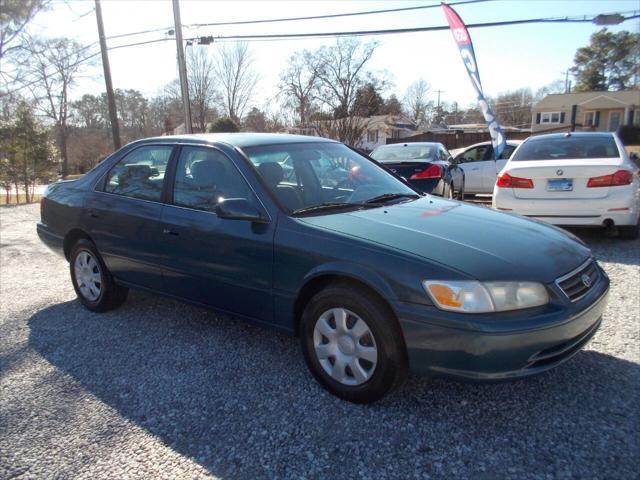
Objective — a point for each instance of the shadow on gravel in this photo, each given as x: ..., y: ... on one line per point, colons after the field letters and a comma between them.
x: 239, y: 401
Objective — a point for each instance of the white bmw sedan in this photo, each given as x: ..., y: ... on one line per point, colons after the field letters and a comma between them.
x: 582, y: 179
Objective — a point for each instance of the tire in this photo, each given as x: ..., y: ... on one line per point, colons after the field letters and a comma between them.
x: 372, y: 354
x: 629, y: 232
x: 461, y: 192
x: 448, y: 192
x: 91, y: 279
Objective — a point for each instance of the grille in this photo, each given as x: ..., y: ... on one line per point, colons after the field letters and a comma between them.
x: 573, y: 284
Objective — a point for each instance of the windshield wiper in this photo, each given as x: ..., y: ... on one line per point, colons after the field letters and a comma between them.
x: 326, y: 206
x: 391, y: 196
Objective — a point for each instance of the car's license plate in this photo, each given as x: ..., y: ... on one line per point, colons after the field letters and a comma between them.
x: 560, y: 185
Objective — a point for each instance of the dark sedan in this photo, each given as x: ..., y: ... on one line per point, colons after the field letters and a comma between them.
x: 374, y: 277
x: 429, y: 167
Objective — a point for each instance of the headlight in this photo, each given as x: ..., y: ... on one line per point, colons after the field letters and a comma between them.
x: 477, y: 297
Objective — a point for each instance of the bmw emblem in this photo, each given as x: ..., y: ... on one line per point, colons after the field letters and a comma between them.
x: 586, y: 280
x: 559, y: 172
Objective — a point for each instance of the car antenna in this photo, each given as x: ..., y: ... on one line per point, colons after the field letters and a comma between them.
x: 568, y: 134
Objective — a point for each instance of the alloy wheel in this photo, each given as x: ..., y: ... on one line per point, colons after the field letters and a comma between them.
x: 345, y: 346
x: 88, y: 275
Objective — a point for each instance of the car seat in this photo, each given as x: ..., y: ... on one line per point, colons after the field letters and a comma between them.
x: 273, y: 174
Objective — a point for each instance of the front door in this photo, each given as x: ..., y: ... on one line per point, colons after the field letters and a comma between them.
x: 124, y: 217
x: 226, y: 264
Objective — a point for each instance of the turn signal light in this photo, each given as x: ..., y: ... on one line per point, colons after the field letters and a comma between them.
x: 507, y: 181
x: 445, y: 296
x: 432, y: 171
x: 621, y: 177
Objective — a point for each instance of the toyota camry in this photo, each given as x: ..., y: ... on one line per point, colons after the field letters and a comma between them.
x: 374, y: 277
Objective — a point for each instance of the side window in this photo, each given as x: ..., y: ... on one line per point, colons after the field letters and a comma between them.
x: 140, y: 174
x: 204, y: 177
x: 477, y: 154
x: 442, y: 154
x: 506, y: 153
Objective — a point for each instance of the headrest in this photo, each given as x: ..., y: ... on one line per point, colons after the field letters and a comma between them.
x: 138, y: 171
x: 208, y: 172
x: 271, y: 172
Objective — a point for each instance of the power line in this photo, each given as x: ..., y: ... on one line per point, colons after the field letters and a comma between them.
x: 293, y: 36
x: 358, y: 33
x: 295, y: 19
x: 333, y: 15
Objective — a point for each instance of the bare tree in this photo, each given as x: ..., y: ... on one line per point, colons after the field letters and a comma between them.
x: 54, y: 64
x: 236, y: 77
x: 340, y: 70
x: 349, y: 130
x: 15, y: 15
x: 298, y: 84
x: 202, y: 92
x: 416, y: 103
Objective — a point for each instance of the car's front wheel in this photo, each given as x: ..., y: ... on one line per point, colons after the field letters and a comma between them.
x: 352, y: 343
x: 92, y: 281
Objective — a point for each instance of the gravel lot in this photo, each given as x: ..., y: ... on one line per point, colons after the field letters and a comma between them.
x: 159, y: 389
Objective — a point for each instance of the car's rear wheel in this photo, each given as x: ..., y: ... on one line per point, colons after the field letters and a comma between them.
x: 352, y: 343
x: 629, y: 232
x: 92, y: 280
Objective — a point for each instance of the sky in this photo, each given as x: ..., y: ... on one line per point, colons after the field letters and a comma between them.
x: 509, y: 57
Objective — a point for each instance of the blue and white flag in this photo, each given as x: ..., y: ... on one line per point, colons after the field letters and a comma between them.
x: 462, y: 38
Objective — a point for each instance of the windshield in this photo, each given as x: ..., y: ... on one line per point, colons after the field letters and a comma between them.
x: 403, y: 153
x: 574, y: 147
x: 305, y: 175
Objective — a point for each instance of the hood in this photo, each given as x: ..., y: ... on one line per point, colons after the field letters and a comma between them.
x: 480, y: 242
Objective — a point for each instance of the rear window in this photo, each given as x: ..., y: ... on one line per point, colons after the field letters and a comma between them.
x: 399, y: 154
x: 567, y: 148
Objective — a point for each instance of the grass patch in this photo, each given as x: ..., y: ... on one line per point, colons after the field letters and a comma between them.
x: 22, y: 199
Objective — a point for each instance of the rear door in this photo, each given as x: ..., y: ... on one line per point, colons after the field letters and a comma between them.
x: 474, y: 161
x: 123, y: 215
x: 492, y: 169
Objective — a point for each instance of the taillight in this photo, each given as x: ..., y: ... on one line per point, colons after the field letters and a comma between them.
x: 621, y: 177
x: 432, y: 171
x: 507, y: 181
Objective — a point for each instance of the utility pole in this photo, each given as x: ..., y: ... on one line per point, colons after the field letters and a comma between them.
x: 567, y: 86
x: 182, y: 67
x: 111, y: 101
x: 439, y: 92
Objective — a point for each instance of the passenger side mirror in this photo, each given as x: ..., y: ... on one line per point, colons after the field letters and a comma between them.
x: 239, y: 209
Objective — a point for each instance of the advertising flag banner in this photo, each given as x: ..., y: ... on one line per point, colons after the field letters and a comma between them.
x: 462, y: 38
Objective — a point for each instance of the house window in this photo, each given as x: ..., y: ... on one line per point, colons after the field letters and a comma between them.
x: 550, y: 117
x: 372, y: 136
x: 589, y: 119
x: 395, y: 133
x: 636, y: 118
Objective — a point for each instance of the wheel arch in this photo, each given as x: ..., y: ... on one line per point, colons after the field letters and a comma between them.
x: 320, y: 278
x: 71, y: 238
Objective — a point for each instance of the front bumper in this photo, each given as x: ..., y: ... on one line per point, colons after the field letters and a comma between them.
x: 529, y: 343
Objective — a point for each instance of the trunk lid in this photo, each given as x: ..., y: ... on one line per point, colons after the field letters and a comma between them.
x: 548, y: 175
x: 407, y: 168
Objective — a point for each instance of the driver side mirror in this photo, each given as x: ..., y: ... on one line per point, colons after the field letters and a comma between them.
x: 239, y: 209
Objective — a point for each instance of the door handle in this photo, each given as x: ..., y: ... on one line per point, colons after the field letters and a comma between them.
x: 92, y: 213
x: 166, y: 231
